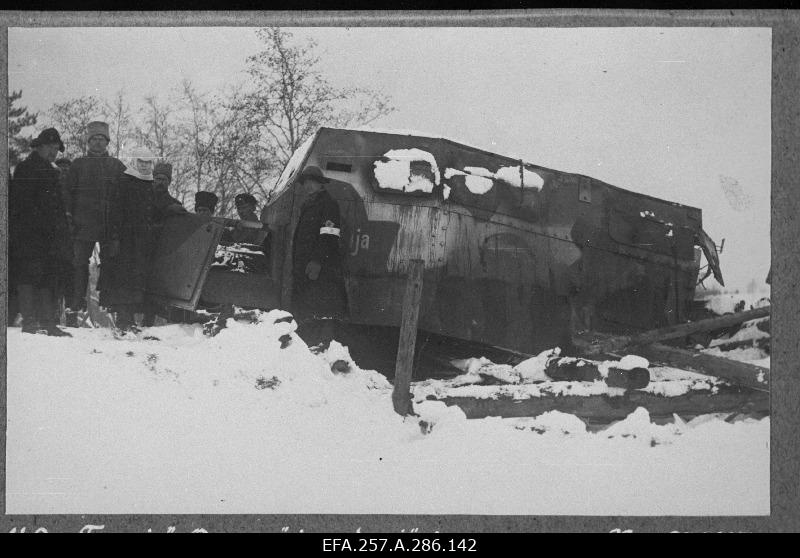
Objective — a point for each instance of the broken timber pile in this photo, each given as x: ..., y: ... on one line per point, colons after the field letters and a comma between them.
x: 648, y: 345
x: 616, y: 343
x: 748, y: 393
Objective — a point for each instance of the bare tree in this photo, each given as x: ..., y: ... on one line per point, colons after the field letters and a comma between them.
x: 157, y: 127
x: 221, y: 149
x: 239, y: 160
x: 118, y: 115
x: 70, y: 119
x: 18, y: 119
x: 236, y: 141
x: 199, y: 132
x: 291, y: 97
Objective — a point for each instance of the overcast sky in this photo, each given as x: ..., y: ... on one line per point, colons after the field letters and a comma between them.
x: 678, y: 113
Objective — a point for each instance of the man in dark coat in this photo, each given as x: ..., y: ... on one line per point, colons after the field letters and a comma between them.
x: 90, y: 188
x: 239, y: 233
x: 164, y: 205
x: 40, y: 248
x: 319, y: 299
x: 63, y: 165
x: 137, y: 213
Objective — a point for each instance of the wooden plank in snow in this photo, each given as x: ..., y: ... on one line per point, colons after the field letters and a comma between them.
x: 740, y: 373
x: 605, y: 409
x: 620, y: 342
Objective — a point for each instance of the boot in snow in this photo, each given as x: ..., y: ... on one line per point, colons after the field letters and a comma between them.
x: 70, y: 318
x: 54, y: 331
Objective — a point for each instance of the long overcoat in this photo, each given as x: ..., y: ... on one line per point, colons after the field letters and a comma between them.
x: 317, y: 238
x: 136, y: 216
x: 40, y: 249
x: 89, y: 190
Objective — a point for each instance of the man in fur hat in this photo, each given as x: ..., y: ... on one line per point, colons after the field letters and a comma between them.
x: 246, y: 210
x: 90, y: 191
x: 162, y: 177
x: 40, y: 248
x: 205, y: 203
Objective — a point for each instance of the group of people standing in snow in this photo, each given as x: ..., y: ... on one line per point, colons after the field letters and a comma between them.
x: 59, y: 212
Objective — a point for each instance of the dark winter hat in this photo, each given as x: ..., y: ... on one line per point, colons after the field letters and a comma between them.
x: 205, y: 199
x: 48, y: 136
x: 97, y: 128
x: 314, y: 173
x: 163, y: 168
x: 242, y: 199
x: 63, y: 162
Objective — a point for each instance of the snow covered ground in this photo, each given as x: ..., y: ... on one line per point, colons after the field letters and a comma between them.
x: 237, y: 424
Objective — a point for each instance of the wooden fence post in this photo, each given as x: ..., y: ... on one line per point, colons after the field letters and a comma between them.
x: 401, y: 396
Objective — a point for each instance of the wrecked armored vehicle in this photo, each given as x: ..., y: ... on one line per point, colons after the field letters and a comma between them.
x: 515, y: 255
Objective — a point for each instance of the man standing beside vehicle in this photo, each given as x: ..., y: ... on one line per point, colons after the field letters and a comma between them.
x: 251, y: 233
x: 90, y: 188
x: 40, y: 250
x: 319, y: 298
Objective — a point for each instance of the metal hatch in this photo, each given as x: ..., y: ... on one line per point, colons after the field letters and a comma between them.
x: 712, y: 257
x: 182, y: 258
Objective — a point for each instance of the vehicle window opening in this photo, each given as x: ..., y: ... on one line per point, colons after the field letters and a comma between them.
x: 338, y: 167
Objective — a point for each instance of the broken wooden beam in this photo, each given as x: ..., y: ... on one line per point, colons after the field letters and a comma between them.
x: 604, y: 409
x: 608, y: 344
x: 739, y: 373
x: 401, y: 394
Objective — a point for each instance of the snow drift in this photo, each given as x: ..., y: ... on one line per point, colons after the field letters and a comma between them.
x: 237, y: 424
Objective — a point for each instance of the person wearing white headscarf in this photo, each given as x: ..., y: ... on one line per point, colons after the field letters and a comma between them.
x: 135, y: 225
x: 139, y: 163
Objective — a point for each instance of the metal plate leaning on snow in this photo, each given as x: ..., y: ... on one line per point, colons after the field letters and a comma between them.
x: 182, y: 259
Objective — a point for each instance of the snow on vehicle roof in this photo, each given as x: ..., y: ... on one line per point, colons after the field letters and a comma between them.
x: 493, y: 151
x: 529, y: 179
x: 407, y: 132
x: 396, y: 173
x: 475, y: 183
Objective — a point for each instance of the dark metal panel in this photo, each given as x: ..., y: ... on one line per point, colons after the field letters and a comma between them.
x: 182, y: 258
x: 710, y: 251
x: 249, y: 290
